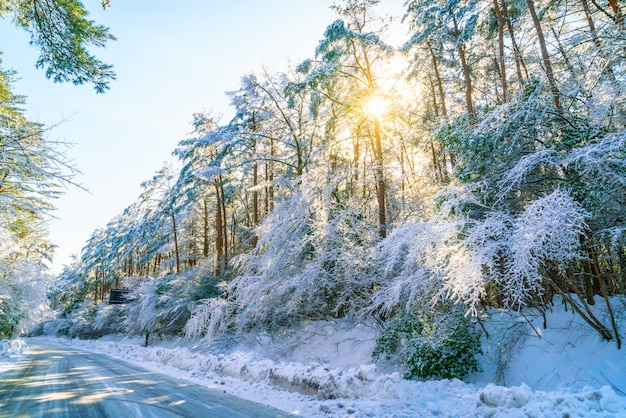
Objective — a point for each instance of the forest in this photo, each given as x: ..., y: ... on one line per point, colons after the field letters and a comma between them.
x: 479, y: 167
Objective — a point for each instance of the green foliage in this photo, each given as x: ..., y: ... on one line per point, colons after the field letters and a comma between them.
x: 209, y: 288
x: 442, y: 345
x: 63, y: 34
x: 9, y: 318
x: 400, y: 329
x: 32, y: 169
x: 452, y: 357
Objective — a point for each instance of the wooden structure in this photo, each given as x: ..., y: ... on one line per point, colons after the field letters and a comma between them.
x: 118, y: 296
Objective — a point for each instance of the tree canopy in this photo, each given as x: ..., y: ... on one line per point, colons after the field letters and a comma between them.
x: 62, y: 32
x: 33, y: 168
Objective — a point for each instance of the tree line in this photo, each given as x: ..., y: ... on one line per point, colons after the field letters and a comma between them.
x: 481, y: 164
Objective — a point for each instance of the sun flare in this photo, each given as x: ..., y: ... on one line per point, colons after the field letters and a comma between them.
x: 375, y: 106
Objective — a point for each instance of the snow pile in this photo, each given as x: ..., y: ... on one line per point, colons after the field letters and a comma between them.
x: 522, y: 401
x: 324, y: 369
x: 252, y: 368
x: 11, y: 352
x: 12, y: 349
x: 565, y: 355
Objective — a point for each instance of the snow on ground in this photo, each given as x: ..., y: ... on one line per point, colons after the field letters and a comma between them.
x: 325, y: 369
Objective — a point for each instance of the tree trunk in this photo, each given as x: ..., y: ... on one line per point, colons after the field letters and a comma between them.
x: 176, y: 245
x: 225, y: 226
x: 442, y: 98
x: 594, y: 35
x: 466, y: 70
x: 544, y: 53
x: 380, y: 181
x: 95, y: 290
x: 437, y: 167
x: 501, y: 63
x: 255, y: 179
x: 219, y: 240
x: 619, y: 17
x: 519, y: 61
x: 444, y: 110
x: 205, y: 238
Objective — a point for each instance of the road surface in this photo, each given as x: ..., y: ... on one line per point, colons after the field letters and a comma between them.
x: 58, y: 381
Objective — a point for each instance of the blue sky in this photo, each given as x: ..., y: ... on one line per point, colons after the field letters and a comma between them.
x: 172, y: 59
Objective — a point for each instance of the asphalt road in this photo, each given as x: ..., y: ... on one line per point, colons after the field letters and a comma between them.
x: 57, y: 381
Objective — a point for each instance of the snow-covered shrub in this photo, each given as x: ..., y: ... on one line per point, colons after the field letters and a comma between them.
x: 141, y: 313
x: 9, y: 318
x: 311, y: 261
x: 404, y: 261
x: 59, y: 326
x: 452, y: 356
x: 159, y: 305
x: 510, y: 251
x: 81, y: 323
x: 206, y: 318
x: 548, y: 232
x: 457, y: 258
x: 109, y: 319
x: 436, y: 344
x: 23, y: 285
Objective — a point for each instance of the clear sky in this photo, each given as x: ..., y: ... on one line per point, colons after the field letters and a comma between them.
x: 172, y: 58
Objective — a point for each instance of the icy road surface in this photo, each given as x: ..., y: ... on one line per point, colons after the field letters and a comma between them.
x: 58, y: 381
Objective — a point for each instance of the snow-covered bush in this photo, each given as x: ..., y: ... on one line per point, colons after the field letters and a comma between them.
x: 109, y: 319
x: 160, y: 305
x: 500, y: 259
x: 23, y: 286
x: 9, y: 317
x: 406, y: 262
x: 81, y: 322
x: 207, y: 318
x: 11, y: 348
x: 141, y: 313
x: 311, y: 261
x: 510, y: 252
x: 59, y: 326
x: 430, y: 343
x: 458, y: 257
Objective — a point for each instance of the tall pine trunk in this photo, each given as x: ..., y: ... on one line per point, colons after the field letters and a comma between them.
x: 219, y: 239
x: 205, y: 238
x: 618, y: 16
x: 519, y: 61
x: 466, y: 70
x: 380, y: 181
x: 442, y: 97
x: 177, y: 255
x: 501, y: 63
x: 594, y: 35
x: 544, y: 54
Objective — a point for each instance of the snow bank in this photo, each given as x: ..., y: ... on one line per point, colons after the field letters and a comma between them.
x: 565, y: 355
x: 12, y: 349
x: 11, y: 352
x: 324, y: 369
x: 314, y: 390
x: 522, y: 401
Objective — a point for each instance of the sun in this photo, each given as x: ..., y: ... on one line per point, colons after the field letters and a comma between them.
x: 375, y: 106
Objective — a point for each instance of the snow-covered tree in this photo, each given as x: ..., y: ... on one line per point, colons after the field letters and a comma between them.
x: 63, y: 33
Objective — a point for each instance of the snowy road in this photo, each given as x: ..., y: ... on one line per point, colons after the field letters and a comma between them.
x: 57, y: 381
